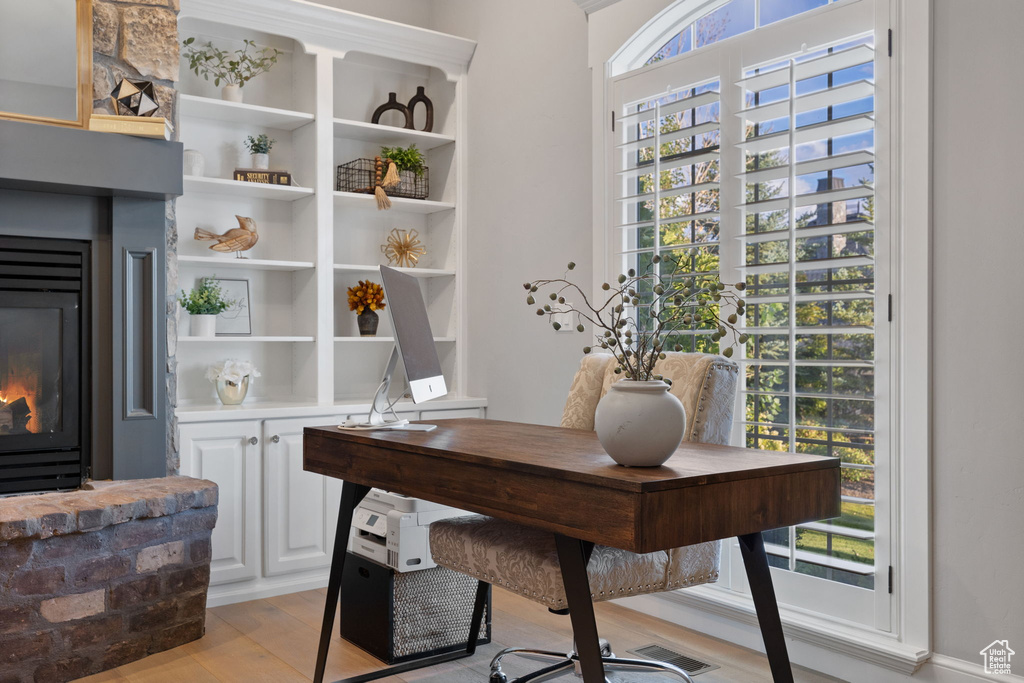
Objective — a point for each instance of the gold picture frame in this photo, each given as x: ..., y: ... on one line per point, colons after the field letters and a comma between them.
x: 83, y: 22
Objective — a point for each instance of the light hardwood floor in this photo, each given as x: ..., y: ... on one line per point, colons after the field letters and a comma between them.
x: 275, y: 641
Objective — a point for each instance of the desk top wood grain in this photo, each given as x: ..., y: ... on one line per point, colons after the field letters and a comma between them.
x: 562, y: 480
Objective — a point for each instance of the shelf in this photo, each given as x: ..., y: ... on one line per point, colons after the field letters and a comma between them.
x: 241, y: 338
x: 241, y: 113
x: 208, y: 410
x: 415, y: 272
x: 368, y: 201
x: 388, y: 135
x: 243, y: 263
x: 211, y: 410
x: 242, y: 189
x: 437, y: 340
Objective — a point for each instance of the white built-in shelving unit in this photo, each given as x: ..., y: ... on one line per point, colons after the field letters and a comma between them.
x: 336, y: 67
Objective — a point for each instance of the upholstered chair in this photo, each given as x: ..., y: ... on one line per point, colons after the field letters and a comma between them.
x: 524, y: 560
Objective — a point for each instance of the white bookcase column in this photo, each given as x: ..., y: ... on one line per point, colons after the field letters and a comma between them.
x: 336, y: 67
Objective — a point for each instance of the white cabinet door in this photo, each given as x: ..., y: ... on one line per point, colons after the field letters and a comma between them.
x: 223, y: 452
x: 301, y: 507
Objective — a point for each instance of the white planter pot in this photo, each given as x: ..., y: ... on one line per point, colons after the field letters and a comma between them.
x: 193, y: 162
x: 231, y: 93
x: 261, y: 161
x: 640, y: 424
x: 204, y: 325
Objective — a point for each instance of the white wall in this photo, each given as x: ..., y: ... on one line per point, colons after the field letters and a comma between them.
x: 529, y: 193
x: 978, y: 326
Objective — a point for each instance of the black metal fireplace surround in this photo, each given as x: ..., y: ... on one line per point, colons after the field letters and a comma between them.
x: 44, y: 371
x: 84, y: 371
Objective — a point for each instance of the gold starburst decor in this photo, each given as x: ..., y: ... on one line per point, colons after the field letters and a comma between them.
x: 403, y: 248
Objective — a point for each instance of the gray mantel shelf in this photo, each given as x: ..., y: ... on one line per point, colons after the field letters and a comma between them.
x: 46, y: 158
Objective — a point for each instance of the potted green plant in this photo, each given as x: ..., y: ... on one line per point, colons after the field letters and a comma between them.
x: 204, y: 303
x: 233, y: 69
x: 259, y: 148
x: 406, y: 172
x: 638, y: 422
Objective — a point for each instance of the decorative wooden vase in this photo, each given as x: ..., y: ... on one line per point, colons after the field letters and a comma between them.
x: 368, y: 321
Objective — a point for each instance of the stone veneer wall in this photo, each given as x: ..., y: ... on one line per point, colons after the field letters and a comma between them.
x: 96, y: 578
x: 139, y: 39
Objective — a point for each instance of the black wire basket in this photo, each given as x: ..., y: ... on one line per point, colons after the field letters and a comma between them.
x: 361, y: 176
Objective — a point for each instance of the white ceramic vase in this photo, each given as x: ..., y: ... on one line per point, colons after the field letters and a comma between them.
x: 203, y: 325
x: 261, y: 161
x: 193, y: 162
x: 640, y: 424
x: 231, y: 93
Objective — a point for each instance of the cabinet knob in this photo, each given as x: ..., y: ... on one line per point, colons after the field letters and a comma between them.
x: 253, y: 440
x: 275, y: 439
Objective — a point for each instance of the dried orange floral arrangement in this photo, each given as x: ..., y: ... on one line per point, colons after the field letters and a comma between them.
x: 365, y: 295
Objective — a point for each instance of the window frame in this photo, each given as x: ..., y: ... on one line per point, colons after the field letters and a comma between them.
x: 907, y: 642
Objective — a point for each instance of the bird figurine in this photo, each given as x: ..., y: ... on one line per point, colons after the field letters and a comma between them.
x: 242, y: 238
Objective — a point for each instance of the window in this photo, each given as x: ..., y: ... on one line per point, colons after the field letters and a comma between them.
x: 759, y: 163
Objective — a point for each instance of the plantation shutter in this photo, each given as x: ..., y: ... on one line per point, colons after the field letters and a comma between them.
x: 808, y: 245
x: 666, y: 183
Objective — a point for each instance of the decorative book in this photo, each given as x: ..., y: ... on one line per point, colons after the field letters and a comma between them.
x: 255, y: 175
x: 140, y: 126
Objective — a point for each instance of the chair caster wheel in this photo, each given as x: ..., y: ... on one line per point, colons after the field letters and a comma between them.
x: 497, y: 677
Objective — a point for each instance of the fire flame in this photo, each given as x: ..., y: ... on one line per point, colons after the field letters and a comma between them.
x: 22, y: 383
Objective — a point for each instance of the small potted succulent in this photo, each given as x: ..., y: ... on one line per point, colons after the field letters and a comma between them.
x: 232, y: 378
x: 204, y: 303
x: 638, y: 422
x: 233, y: 69
x: 366, y: 299
x: 259, y: 148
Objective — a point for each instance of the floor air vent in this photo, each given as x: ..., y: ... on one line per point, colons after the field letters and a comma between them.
x: 660, y: 653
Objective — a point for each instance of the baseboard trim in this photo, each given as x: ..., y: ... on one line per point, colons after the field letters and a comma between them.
x: 952, y: 670
x: 260, y: 589
x: 843, y: 652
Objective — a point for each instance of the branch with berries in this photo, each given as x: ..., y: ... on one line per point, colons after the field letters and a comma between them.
x: 636, y: 318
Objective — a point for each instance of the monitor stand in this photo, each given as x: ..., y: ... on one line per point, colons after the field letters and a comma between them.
x: 380, y: 406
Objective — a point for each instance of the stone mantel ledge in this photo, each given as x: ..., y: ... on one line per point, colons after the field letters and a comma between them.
x: 100, y: 504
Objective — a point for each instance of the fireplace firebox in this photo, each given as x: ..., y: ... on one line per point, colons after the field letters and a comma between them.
x: 44, y: 378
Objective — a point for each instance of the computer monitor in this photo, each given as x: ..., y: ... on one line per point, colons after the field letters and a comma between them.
x: 414, y: 344
x: 413, y: 337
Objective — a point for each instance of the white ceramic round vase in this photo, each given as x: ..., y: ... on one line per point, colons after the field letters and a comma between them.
x: 193, y: 162
x: 231, y: 93
x: 261, y: 161
x: 203, y: 325
x: 640, y: 424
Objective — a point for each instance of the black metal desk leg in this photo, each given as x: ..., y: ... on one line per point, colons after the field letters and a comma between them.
x: 573, y: 556
x: 759, y: 576
x: 351, y: 496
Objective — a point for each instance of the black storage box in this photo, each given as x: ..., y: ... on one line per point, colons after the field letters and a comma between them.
x: 397, y: 616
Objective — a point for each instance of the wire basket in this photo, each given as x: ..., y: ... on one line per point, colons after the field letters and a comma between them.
x: 361, y: 175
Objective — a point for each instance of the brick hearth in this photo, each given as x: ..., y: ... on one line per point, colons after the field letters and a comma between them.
x: 96, y: 578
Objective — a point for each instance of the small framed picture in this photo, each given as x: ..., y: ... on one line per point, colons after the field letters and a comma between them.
x: 236, y: 320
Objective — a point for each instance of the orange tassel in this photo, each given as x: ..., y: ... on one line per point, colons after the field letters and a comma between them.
x: 383, y: 203
x: 391, y: 179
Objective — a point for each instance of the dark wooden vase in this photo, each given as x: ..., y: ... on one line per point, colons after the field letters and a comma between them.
x: 368, y: 321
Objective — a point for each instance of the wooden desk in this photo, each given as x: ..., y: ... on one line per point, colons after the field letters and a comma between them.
x: 561, y: 480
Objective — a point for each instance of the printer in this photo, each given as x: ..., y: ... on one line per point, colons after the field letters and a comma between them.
x: 393, y: 530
